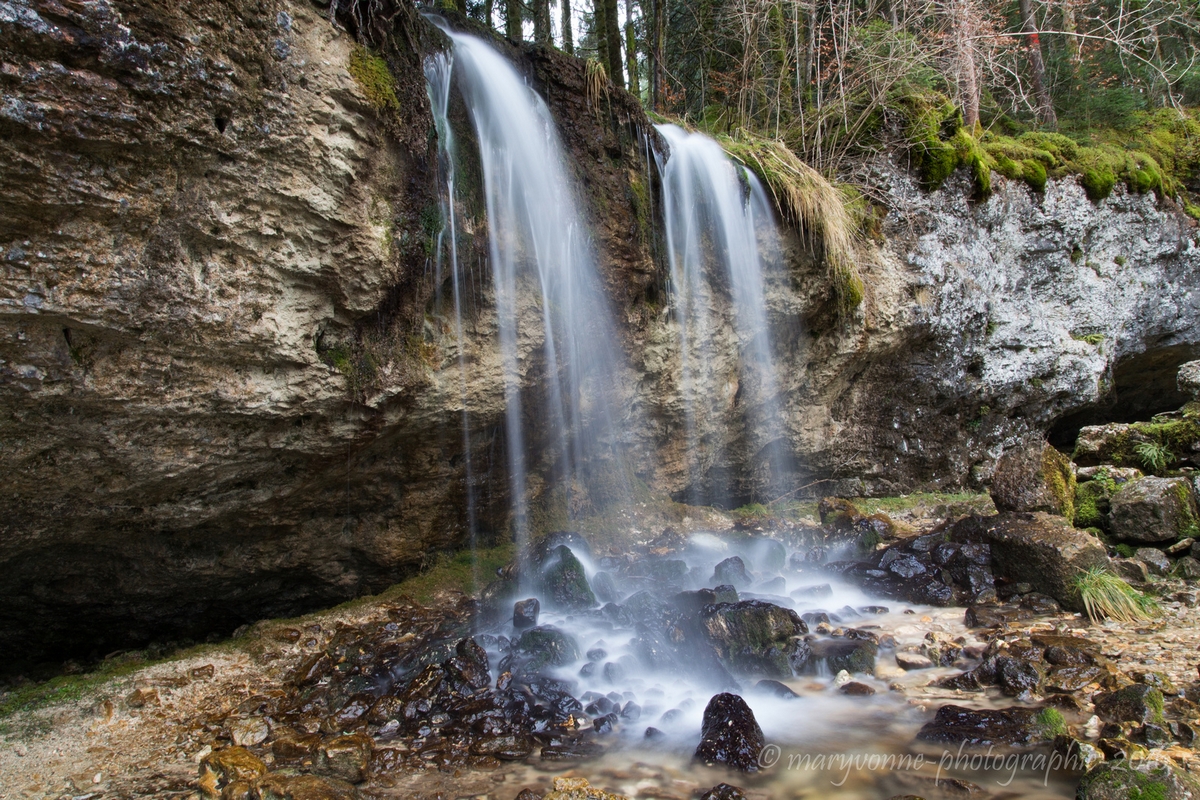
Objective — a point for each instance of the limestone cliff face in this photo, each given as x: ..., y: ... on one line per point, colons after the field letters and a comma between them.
x: 229, y: 386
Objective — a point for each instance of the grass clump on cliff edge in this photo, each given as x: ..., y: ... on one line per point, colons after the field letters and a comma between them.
x: 1105, y: 595
x: 810, y: 203
x: 373, y: 77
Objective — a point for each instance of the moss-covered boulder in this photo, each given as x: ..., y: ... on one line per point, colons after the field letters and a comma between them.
x: 1154, y: 510
x: 1092, y: 499
x: 1136, y: 703
x: 564, y: 582
x: 1041, y: 550
x: 542, y: 647
x: 1166, y: 442
x: 753, y: 637
x: 1140, y: 780
x: 1034, y: 477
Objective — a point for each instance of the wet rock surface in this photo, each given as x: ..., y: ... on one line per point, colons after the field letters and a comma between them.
x: 1123, y: 779
x: 1034, y: 477
x: 976, y: 727
x: 1154, y: 510
x: 730, y: 734
x: 1042, y: 550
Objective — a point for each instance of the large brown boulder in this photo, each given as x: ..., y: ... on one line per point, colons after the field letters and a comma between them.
x: 1034, y: 477
x: 1154, y: 510
x: 1039, y: 549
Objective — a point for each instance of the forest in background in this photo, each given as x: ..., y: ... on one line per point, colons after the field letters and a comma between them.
x: 1031, y: 89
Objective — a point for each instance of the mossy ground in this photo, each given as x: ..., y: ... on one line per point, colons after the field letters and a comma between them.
x: 1157, y: 155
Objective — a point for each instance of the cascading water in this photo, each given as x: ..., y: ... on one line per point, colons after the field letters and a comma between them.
x: 720, y: 232
x: 545, y: 283
x: 439, y: 70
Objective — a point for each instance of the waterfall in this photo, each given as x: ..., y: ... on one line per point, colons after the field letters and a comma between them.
x: 720, y: 232
x: 439, y: 70
x: 551, y: 310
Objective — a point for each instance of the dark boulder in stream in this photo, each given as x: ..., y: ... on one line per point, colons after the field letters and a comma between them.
x: 730, y: 734
x: 958, y: 725
x: 756, y: 638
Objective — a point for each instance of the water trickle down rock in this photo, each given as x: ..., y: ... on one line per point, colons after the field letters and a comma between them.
x: 564, y: 582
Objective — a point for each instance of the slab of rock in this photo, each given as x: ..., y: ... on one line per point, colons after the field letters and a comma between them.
x: 757, y: 638
x: 1188, y: 379
x: 1113, y: 443
x: 1154, y: 510
x: 730, y: 735
x: 912, y: 661
x: 1156, y: 560
x: 956, y: 725
x: 1034, y: 477
x: 1039, y: 549
x: 1121, y: 780
x: 1131, y: 570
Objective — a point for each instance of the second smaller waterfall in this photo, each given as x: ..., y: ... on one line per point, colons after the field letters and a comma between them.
x: 721, y: 237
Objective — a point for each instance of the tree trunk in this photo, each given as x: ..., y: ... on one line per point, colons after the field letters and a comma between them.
x: 612, y: 33
x: 541, y: 22
x: 654, y: 34
x: 962, y: 27
x: 488, y: 9
x: 1069, y: 27
x: 568, y: 35
x: 512, y: 20
x: 810, y: 49
x: 1037, y: 67
x: 600, y: 28
x: 461, y: 5
x: 631, y: 65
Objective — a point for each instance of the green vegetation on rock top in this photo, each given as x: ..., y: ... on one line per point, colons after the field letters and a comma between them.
x: 1158, y: 155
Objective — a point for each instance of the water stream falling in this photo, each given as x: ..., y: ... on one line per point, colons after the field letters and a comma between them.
x: 551, y: 311
x: 720, y: 232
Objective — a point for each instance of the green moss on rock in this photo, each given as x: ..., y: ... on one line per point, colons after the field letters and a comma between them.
x: 1092, y: 503
x: 373, y: 77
